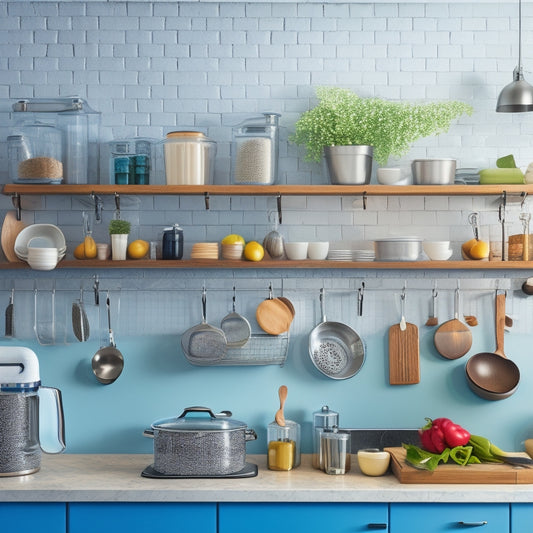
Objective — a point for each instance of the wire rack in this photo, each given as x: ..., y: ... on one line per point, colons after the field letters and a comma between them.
x: 261, y: 349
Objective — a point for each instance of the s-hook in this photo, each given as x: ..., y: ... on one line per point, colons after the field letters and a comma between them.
x: 98, y: 206
x: 206, y: 199
x: 15, y: 200
x: 279, y: 208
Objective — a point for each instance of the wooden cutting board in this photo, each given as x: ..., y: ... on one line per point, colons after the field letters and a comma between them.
x: 404, y: 356
x: 10, y: 229
x: 485, y: 473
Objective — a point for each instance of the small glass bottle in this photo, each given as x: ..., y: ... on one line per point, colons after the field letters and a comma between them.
x: 323, y: 420
x: 283, y: 445
x: 172, y: 242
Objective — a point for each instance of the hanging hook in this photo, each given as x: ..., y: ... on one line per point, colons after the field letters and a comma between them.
x: 280, y: 215
x: 364, y: 200
x: 117, y: 202
x: 206, y: 199
x: 360, y: 299
x: 15, y: 199
x: 98, y: 206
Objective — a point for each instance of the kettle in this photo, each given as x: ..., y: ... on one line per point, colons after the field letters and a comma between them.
x: 31, y: 416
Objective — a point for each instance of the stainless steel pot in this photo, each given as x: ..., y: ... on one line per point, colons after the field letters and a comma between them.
x: 199, y: 446
x: 434, y: 171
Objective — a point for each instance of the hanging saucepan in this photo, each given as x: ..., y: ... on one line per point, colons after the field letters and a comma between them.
x: 202, y: 445
x: 491, y: 375
x: 335, y: 349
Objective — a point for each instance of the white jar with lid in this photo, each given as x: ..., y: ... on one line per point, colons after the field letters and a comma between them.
x: 189, y: 158
x: 255, y: 150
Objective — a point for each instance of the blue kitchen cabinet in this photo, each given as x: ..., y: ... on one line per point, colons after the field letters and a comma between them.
x: 521, y: 517
x: 302, y: 517
x: 42, y: 517
x: 442, y: 517
x: 142, y: 517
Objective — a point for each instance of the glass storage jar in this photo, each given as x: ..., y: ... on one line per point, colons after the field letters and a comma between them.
x: 255, y: 150
x: 283, y: 445
x: 131, y: 160
x: 323, y: 420
x: 189, y: 158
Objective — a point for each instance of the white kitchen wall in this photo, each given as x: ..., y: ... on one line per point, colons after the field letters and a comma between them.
x: 152, y: 67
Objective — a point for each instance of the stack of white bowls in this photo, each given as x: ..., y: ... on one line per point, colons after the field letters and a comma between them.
x: 42, y: 246
x: 437, y: 250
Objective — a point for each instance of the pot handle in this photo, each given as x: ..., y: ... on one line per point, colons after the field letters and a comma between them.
x: 250, y: 434
x: 148, y: 432
x: 199, y: 409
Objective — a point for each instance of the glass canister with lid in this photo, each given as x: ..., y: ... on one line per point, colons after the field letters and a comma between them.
x: 283, y: 445
x: 255, y: 150
x: 324, y: 420
x: 189, y: 158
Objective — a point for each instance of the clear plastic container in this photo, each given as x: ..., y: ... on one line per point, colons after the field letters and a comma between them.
x: 283, y: 445
x: 35, y: 154
x: 255, y: 151
x: 131, y: 161
x: 79, y: 127
x: 323, y: 420
x: 189, y: 158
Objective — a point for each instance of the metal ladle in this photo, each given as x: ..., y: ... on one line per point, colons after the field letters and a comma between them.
x: 108, y: 362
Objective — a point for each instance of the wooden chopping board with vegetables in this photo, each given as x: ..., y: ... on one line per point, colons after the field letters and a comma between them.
x: 484, y: 473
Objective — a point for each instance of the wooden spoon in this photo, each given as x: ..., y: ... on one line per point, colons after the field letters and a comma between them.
x: 10, y: 229
x: 280, y: 417
x: 453, y: 339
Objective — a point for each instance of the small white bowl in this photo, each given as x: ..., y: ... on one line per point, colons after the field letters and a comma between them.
x: 42, y: 258
x: 437, y: 250
x: 373, y: 462
x: 317, y: 251
x: 296, y: 251
x: 388, y: 176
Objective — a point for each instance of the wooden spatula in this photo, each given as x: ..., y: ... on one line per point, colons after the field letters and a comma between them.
x: 404, y: 354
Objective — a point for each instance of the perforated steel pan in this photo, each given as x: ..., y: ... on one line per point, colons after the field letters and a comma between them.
x: 335, y: 349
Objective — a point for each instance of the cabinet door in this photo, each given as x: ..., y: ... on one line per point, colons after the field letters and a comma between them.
x: 302, y: 517
x: 142, y: 517
x: 441, y: 517
x: 44, y: 517
x: 521, y: 517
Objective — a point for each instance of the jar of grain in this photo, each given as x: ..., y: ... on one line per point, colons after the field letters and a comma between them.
x: 255, y: 150
x: 283, y: 445
x: 189, y: 158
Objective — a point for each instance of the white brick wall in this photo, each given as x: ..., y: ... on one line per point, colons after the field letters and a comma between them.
x: 151, y: 67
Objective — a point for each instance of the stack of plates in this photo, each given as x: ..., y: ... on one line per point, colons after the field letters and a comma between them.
x: 363, y: 255
x: 40, y: 236
x: 204, y: 250
x: 340, y: 255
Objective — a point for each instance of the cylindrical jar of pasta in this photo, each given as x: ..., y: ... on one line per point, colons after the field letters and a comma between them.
x: 189, y: 158
x: 255, y: 150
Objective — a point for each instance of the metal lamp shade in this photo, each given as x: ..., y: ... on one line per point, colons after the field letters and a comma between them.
x: 516, y: 97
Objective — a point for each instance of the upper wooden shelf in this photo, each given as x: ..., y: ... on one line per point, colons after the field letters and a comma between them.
x: 273, y: 190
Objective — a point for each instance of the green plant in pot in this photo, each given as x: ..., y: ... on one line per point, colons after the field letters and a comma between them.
x: 119, y: 231
x: 375, y: 127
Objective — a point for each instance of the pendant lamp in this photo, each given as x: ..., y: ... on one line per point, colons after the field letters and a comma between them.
x: 516, y: 97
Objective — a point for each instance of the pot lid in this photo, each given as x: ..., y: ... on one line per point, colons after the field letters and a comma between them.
x: 400, y: 239
x: 199, y: 419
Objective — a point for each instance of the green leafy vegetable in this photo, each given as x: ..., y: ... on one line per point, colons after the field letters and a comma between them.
x: 343, y: 118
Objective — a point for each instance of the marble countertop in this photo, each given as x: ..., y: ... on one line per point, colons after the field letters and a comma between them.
x: 117, y: 478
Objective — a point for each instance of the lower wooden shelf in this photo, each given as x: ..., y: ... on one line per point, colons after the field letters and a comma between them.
x: 286, y: 264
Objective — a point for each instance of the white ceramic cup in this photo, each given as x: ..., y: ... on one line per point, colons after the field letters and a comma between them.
x: 318, y: 251
x: 373, y: 462
x: 296, y: 251
x: 102, y: 251
x: 388, y: 176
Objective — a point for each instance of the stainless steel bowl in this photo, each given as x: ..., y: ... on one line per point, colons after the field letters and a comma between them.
x: 433, y: 171
x: 398, y: 249
x: 349, y: 165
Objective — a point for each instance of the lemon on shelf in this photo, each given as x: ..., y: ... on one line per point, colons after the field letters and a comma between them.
x: 233, y: 238
x: 475, y: 249
x: 138, y: 249
x: 253, y: 251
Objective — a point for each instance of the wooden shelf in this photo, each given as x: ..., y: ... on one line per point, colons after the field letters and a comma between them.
x: 272, y: 190
x: 286, y: 264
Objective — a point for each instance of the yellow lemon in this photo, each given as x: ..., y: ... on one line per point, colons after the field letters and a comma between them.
x: 467, y: 246
x: 253, y: 251
x: 138, y: 249
x: 233, y: 238
x: 79, y: 251
x: 480, y: 250
x: 89, y: 247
